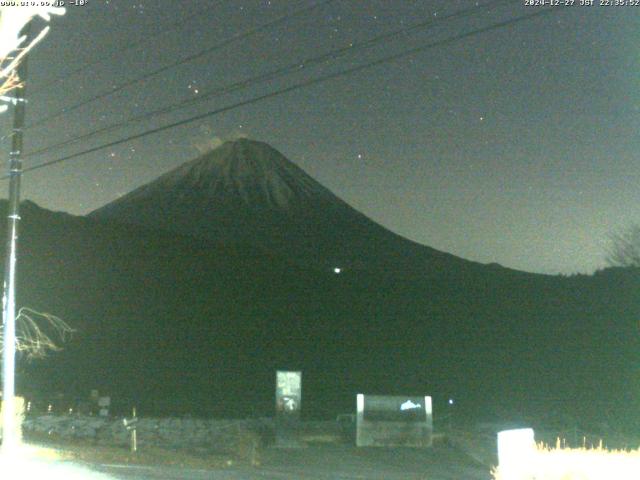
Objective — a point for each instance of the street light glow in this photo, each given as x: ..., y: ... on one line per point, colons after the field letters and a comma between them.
x: 25, y: 465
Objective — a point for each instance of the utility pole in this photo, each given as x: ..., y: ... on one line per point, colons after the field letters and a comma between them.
x: 10, y: 434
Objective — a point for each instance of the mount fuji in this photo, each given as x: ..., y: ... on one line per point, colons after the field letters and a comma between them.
x: 188, y: 293
x: 246, y: 191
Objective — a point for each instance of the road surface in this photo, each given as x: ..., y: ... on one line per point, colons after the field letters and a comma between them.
x: 327, y: 462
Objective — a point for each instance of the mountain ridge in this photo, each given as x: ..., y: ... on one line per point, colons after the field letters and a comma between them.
x: 172, y: 320
x: 171, y: 323
x: 246, y: 190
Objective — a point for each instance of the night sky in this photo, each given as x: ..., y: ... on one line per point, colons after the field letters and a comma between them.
x: 517, y: 145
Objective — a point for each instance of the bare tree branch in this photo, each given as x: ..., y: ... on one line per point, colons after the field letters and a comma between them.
x: 624, y: 248
x: 36, y: 331
x: 12, y: 21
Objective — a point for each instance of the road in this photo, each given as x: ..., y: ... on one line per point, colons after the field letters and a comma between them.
x: 327, y: 462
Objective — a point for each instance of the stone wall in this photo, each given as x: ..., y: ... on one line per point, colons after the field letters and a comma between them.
x: 173, y: 433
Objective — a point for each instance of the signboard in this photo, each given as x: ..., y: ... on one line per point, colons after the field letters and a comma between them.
x: 104, y: 403
x: 288, y: 393
x: 288, y: 404
x: 391, y: 421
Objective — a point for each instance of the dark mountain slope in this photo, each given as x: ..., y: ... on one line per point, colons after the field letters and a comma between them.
x: 175, y: 325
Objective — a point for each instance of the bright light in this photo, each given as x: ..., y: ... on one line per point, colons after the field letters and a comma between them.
x: 451, y: 402
x: 27, y: 463
x: 516, y: 449
x: 518, y: 460
x: 337, y: 270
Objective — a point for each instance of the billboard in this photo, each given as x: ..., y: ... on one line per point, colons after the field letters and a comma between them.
x: 392, y: 421
x: 288, y: 404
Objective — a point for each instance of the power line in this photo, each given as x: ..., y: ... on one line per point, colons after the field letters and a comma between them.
x: 271, y: 75
x: 124, y: 48
x: 206, y: 51
x: 298, y: 86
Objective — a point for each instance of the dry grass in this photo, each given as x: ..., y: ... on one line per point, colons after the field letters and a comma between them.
x: 18, y: 414
x: 558, y: 463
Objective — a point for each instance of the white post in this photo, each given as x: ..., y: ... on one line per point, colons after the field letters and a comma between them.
x: 516, y: 453
x: 134, y: 434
